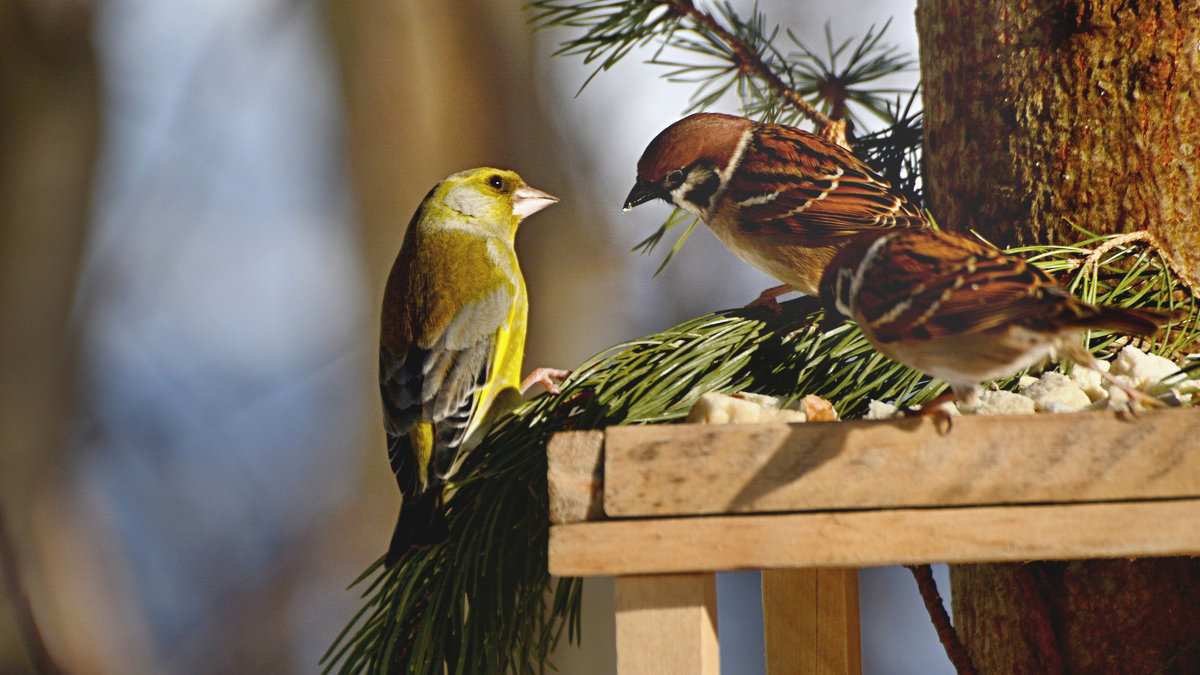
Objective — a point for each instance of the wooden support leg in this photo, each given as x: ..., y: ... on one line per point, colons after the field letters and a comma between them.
x: 811, y: 621
x: 667, y: 624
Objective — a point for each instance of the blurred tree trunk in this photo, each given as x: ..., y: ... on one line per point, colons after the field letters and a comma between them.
x: 434, y: 87
x: 423, y: 84
x: 1040, y: 114
x: 1043, y: 113
x: 49, y: 124
x: 49, y: 102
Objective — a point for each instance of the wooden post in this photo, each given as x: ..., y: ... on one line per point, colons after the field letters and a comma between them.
x: 810, y: 617
x: 667, y: 624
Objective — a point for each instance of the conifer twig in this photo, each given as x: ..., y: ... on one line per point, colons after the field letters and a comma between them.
x: 1147, y: 237
x: 613, y: 29
x: 748, y: 61
x: 941, y: 620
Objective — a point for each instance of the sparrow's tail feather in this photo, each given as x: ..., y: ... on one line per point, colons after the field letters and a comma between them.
x: 1130, y: 321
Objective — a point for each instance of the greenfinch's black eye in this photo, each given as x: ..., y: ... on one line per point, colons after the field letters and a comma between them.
x: 496, y: 181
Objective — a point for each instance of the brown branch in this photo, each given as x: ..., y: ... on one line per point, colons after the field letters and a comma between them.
x: 39, y: 655
x: 749, y: 62
x: 1120, y: 240
x: 941, y: 620
x: 1148, y: 238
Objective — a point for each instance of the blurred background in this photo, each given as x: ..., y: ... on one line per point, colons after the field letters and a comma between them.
x: 199, y: 203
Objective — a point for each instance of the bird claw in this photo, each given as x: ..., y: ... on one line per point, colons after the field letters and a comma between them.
x: 547, y: 377
x: 936, y: 408
x: 769, y: 299
x: 1135, y: 397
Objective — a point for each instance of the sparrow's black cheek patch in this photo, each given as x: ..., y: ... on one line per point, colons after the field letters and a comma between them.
x: 701, y: 193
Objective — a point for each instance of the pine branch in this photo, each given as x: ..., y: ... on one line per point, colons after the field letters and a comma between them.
x: 896, y: 152
x: 748, y: 60
x: 835, y: 86
x: 955, y: 650
x: 735, y: 53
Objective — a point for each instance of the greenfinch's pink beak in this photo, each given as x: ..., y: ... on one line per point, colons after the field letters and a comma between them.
x: 528, y: 201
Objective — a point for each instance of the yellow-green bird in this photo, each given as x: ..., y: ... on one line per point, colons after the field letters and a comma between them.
x: 452, y: 337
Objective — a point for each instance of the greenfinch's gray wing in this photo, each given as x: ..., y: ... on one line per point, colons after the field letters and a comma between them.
x: 439, y: 380
x: 400, y: 389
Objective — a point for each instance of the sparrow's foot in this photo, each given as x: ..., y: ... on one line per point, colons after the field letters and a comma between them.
x: 769, y: 298
x: 938, y: 409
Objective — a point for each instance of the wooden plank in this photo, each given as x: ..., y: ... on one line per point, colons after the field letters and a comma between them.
x: 667, y: 624
x: 810, y: 620
x: 576, y: 476
x: 870, y: 538
x: 697, y: 469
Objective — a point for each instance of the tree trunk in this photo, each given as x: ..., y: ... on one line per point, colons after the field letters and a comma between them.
x: 49, y: 124
x: 1041, y: 114
x: 1044, y: 113
x: 434, y: 87
x: 1084, y: 616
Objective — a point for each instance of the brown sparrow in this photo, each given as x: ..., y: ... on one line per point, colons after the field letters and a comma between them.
x: 779, y: 198
x: 964, y: 312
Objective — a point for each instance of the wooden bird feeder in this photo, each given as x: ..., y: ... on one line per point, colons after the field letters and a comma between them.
x: 662, y: 508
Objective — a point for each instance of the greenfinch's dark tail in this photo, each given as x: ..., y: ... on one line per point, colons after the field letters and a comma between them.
x: 422, y: 522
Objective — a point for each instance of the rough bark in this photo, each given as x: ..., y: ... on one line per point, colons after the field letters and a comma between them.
x: 1044, y: 113
x: 1041, y: 114
x: 1086, y: 616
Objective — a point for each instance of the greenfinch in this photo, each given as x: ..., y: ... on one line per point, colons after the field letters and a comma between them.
x: 452, y: 336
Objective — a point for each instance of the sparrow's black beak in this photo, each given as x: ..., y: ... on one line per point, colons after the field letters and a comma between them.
x: 640, y: 194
